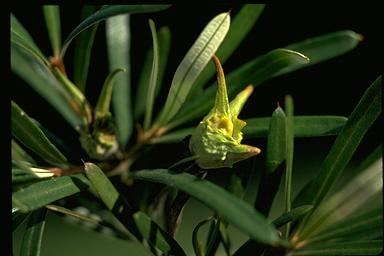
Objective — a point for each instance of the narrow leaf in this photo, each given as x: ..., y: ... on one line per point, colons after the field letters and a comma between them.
x: 348, y: 248
x: 53, y: 23
x: 367, y: 222
x: 193, y: 63
x: 83, y: 49
x: 106, y: 12
x: 41, y: 79
x: 19, y: 154
x: 138, y: 223
x: 153, y: 77
x: 119, y: 43
x: 173, y: 137
x: 277, y: 140
x: 235, y: 211
x: 104, y: 101
x: 290, y: 147
x: 45, y: 192
x: 164, y: 39
x: 33, y: 236
x: 254, y: 72
x: 292, y: 215
x: 32, y: 137
x: 21, y: 37
x: 198, y: 245
x: 362, y: 117
x: 18, y: 218
x: 242, y: 24
x: 324, y: 47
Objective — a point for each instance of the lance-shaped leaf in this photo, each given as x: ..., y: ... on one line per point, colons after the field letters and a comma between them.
x: 254, y: 72
x: 83, y: 49
x: 198, y: 245
x: 242, y: 24
x: 138, y: 223
x: 305, y: 126
x: 324, y: 47
x: 217, y: 139
x: 79, y: 103
x: 363, y: 225
x: 153, y: 77
x: 292, y: 215
x: 373, y: 247
x: 344, y: 202
x: 41, y: 79
x: 362, y: 117
x: 235, y: 211
x: 32, y: 137
x: 21, y: 37
x: 18, y: 218
x: 99, y: 141
x: 277, y: 141
x: 53, y: 23
x: 45, y: 192
x: 118, y: 41
x: 106, y: 12
x: 19, y: 154
x: 33, y: 236
x: 164, y: 40
x: 193, y: 63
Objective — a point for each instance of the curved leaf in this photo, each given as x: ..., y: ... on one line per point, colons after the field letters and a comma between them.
x: 31, y: 244
x: 242, y: 24
x: 45, y: 192
x: 164, y: 38
x: 235, y: 211
x: 152, y: 79
x: 193, y: 63
x: 106, y: 12
x: 119, y: 42
x: 292, y: 215
x: 324, y: 47
x: 31, y: 136
x: 254, y: 72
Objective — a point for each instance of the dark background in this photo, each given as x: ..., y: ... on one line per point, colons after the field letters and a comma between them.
x: 331, y: 88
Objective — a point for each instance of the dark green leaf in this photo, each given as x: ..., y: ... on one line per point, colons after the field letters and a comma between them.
x: 152, y: 79
x: 277, y: 141
x: 18, y: 218
x: 336, y: 249
x: 254, y: 72
x: 106, y: 12
x: 46, y: 192
x: 197, y: 245
x: 22, y: 38
x: 368, y: 222
x: 83, y: 49
x: 18, y: 154
x: 119, y: 43
x: 173, y: 137
x: 292, y: 215
x: 225, y: 204
x: 324, y: 47
x: 104, y: 101
x: 289, y: 157
x: 53, y: 23
x: 305, y: 126
x: 362, y: 117
x: 33, y: 236
x: 41, y: 79
x: 138, y: 223
x: 31, y: 136
x: 242, y: 24
x: 193, y: 63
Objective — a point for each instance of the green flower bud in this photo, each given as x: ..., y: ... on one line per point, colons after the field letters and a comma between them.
x: 217, y: 139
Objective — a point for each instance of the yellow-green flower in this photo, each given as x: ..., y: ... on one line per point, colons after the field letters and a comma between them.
x: 217, y: 139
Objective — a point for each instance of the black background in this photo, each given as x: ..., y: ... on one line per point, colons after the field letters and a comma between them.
x: 331, y: 88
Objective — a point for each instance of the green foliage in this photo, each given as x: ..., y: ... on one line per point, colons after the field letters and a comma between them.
x: 145, y: 205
